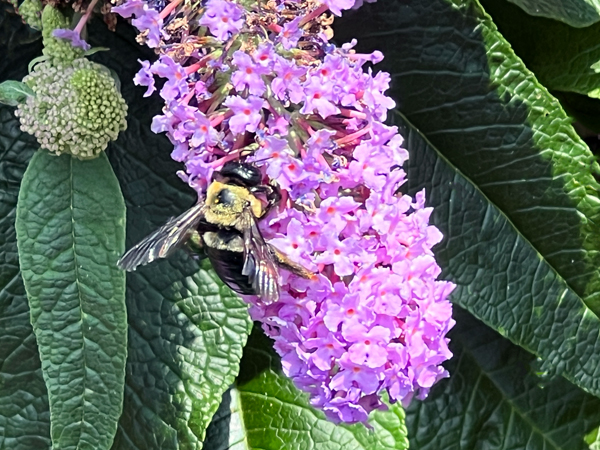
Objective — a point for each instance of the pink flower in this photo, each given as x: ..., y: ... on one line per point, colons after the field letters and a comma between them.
x: 222, y: 17
x: 272, y: 92
x: 246, y: 113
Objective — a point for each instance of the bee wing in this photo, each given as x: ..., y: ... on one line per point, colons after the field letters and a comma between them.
x: 259, y: 265
x: 162, y: 242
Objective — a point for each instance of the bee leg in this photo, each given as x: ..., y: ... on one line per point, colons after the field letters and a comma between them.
x: 272, y: 194
x: 285, y: 263
x: 195, y: 247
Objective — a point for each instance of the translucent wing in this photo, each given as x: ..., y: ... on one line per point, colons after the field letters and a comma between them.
x: 164, y: 241
x: 259, y: 265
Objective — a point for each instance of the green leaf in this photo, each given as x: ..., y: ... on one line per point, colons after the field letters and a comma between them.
x: 494, y: 400
x: 94, y: 50
x: 584, y: 109
x: 186, y: 331
x: 577, y: 13
x: 14, y: 92
x: 512, y: 184
x: 70, y: 232
x: 35, y: 61
x: 560, y: 56
x: 593, y: 439
x: 266, y: 411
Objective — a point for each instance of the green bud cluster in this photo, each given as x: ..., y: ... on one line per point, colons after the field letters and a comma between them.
x: 60, y: 51
x: 31, y: 12
x: 77, y: 109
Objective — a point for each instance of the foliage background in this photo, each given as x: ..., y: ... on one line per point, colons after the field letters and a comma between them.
x: 481, y: 89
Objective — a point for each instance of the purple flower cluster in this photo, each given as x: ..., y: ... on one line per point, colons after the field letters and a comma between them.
x: 308, y: 114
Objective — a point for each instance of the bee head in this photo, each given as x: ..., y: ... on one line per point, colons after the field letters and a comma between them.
x: 228, y: 201
x: 226, y: 198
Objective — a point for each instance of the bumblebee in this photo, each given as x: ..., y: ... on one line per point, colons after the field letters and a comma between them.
x: 224, y: 228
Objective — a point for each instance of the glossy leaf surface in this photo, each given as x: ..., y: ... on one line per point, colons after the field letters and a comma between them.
x: 266, y: 411
x: 70, y: 232
x: 494, y: 400
x: 577, y: 13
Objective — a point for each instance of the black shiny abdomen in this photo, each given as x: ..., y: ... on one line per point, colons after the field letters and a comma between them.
x: 245, y: 174
x: 228, y: 264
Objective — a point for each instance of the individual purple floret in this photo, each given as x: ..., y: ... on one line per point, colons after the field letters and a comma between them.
x: 222, y: 17
x: 73, y: 36
x: 131, y: 8
x: 147, y: 20
x: 151, y: 22
x: 145, y: 77
x: 262, y: 84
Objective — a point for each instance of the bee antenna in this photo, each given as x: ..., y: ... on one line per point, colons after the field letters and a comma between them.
x: 262, y: 160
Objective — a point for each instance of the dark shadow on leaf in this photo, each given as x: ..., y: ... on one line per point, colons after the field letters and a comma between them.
x: 259, y: 356
x: 24, y: 410
x: 491, y: 380
x: 217, y: 433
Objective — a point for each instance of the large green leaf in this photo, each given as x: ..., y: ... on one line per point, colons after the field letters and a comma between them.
x: 512, y: 184
x: 266, y: 411
x: 24, y: 413
x: 186, y: 331
x: 70, y: 232
x: 560, y: 56
x: 493, y: 400
x: 577, y: 13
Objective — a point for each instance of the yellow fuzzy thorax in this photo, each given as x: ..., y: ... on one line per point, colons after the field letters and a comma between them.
x: 227, y: 215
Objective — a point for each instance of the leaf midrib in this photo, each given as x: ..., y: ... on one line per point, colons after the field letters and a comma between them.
x: 80, y: 308
x: 505, y: 398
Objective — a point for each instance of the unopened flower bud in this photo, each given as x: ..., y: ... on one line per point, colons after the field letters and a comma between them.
x: 64, y: 116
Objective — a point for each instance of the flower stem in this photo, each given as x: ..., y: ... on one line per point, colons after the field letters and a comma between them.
x: 85, y: 17
x: 316, y: 13
x: 353, y: 113
x: 170, y: 7
x: 230, y: 157
x: 351, y: 137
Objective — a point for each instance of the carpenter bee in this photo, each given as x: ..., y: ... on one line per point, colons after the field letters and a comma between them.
x: 224, y: 228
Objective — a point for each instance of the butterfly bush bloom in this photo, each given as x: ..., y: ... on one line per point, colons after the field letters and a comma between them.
x: 265, y: 86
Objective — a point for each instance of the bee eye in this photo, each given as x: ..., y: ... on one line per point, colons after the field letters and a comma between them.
x: 226, y: 197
